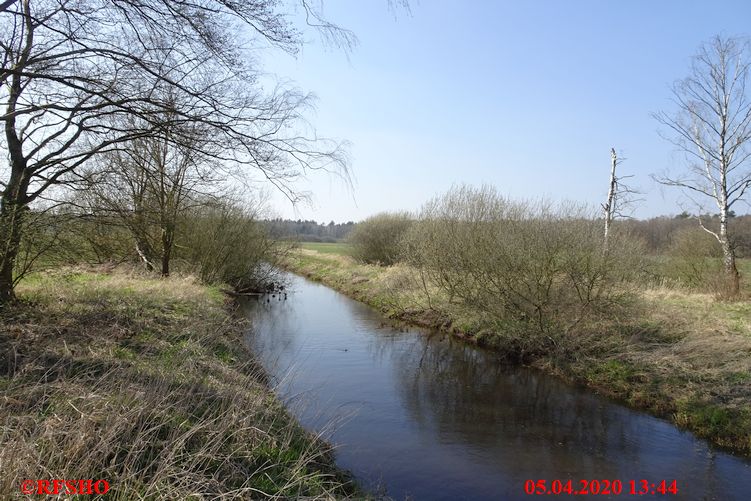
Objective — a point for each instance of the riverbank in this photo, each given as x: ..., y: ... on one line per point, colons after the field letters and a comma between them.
x: 145, y: 383
x: 678, y: 355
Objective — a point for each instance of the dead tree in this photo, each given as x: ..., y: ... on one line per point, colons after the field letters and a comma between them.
x: 620, y: 197
x: 609, y: 206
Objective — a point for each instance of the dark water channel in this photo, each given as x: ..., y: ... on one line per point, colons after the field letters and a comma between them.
x: 425, y: 416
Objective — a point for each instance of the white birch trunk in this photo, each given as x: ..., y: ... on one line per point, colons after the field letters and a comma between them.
x: 609, y: 206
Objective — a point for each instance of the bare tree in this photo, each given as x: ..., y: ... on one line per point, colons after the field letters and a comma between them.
x: 70, y: 69
x: 621, y: 197
x: 609, y: 206
x: 149, y: 183
x: 712, y: 127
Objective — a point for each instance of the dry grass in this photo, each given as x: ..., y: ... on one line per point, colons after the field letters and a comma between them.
x: 145, y: 383
x: 681, y: 355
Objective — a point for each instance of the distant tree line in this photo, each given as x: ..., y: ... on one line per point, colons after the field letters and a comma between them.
x: 308, y: 230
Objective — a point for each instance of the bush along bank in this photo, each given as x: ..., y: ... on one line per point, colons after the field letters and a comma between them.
x: 146, y: 384
x: 677, y: 354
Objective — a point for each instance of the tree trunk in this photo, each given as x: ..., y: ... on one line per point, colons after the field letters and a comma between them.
x: 139, y: 229
x: 609, y: 206
x: 10, y: 229
x: 732, y: 282
x: 732, y: 277
x: 12, y: 209
x: 167, y: 240
x: 14, y: 199
x: 144, y: 251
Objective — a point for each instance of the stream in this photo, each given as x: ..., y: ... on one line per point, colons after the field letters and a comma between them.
x: 419, y: 414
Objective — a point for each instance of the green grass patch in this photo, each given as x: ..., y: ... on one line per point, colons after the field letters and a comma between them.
x: 725, y: 426
x: 337, y: 248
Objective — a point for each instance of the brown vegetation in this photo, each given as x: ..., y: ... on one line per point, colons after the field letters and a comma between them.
x: 537, y: 264
x: 145, y: 383
x: 377, y: 238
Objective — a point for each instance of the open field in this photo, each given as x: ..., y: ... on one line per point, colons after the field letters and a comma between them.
x: 680, y: 355
x: 338, y: 248
x: 145, y: 383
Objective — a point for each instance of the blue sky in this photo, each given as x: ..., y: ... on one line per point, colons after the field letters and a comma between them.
x: 528, y: 96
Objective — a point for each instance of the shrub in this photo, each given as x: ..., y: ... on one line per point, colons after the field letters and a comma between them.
x: 378, y: 238
x: 695, y: 258
x: 58, y: 236
x: 522, y: 261
x: 223, y: 242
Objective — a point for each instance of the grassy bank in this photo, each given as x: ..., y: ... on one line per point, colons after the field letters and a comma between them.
x: 680, y: 355
x: 145, y: 383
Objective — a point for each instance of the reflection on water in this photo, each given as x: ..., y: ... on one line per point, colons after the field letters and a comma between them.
x: 425, y: 416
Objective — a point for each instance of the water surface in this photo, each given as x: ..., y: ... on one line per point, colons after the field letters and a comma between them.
x: 422, y: 415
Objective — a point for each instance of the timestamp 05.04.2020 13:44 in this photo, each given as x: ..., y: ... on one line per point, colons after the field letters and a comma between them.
x: 600, y: 487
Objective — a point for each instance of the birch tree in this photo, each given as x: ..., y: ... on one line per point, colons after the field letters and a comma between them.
x: 712, y: 126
